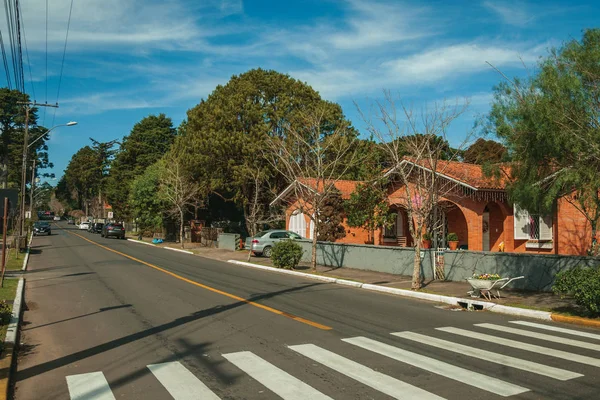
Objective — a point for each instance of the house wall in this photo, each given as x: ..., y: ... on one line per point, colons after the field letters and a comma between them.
x: 353, y: 235
x: 572, y: 232
x: 539, y: 270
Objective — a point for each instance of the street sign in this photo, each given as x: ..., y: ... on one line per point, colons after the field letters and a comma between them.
x: 27, y: 214
x: 110, y: 214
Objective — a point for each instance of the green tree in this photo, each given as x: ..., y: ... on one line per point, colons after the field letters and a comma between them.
x: 550, y: 124
x: 485, y: 151
x: 227, y: 135
x: 368, y: 208
x: 145, y: 204
x: 147, y: 142
x: 12, y: 126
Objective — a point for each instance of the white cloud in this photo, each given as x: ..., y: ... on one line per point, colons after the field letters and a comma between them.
x: 434, y: 65
x: 112, y: 24
x: 378, y: 24
x: 512, y: 14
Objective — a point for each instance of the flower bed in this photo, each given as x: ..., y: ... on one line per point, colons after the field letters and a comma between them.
x: 486, y: 277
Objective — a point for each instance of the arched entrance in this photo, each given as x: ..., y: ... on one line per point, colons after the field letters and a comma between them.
x: 397, y: 233
x: 450, y: 219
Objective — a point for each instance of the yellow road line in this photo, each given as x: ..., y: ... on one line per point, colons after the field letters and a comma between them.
x: 231, y: 296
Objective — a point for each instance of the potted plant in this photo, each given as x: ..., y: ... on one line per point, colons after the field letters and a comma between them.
x: 452, y: 241
x: 426, y: 243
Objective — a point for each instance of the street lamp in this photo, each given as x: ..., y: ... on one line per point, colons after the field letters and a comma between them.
x: 24, y: 174
x: 50, y: 130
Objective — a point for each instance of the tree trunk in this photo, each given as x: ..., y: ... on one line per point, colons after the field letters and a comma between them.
x: 416, y: 278
x: 313, y: 259
x: 181, y: 238
x: 595, y: 249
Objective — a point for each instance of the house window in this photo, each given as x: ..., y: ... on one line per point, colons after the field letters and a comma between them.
x: 533, y: 227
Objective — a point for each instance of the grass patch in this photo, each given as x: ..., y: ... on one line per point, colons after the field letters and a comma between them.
x: 7, y: 295
x: 12, y: 263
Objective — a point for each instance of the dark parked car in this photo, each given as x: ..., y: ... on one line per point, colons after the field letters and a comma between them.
x: 71, y: 222
x: 42, y: 227
x: 115, y: 230
x: 96, y: 227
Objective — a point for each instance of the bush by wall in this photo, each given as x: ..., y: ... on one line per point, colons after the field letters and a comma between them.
x: 286, y: 254
x: 583, y: 284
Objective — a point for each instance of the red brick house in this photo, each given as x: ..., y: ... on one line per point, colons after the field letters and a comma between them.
x: 476, y: 209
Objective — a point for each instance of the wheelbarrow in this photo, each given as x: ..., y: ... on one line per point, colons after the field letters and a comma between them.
x: 484, y: 286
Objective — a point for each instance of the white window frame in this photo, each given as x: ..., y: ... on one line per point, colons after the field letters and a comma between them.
x: 523, y: 229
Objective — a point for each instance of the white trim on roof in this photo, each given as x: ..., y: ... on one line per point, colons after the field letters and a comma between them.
x: 287, y: 190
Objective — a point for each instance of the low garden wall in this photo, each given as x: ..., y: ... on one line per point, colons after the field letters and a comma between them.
x: 539, y: 270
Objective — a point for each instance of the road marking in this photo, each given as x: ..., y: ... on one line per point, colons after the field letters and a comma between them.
x: 214, y: 290
x: 565, y: 355
x: 540, y: 369
x: 180, y: 382
x: 92, y: 386
x: 557, y: 329
x: 465, y: 376
x: 278, y: 381
x: 365, y: 375
x: 542, y: 336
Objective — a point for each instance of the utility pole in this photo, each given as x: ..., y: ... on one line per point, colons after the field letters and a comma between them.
x: 27, y: 105
x: 32, y: 188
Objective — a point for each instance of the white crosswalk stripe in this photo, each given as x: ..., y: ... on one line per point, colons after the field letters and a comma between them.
x: 565, y: 355
x: 92, y: 386
x: 378, y: 381
x: 279, y: 382
x: 558, y: 329
x: 180, y: 382
x: 542, y: 336
x: 465, y: 376
x: 490, y: 356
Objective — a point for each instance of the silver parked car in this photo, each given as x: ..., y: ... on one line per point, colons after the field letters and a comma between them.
x: 262, y: 243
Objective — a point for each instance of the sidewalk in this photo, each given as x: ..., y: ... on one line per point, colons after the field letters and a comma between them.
x: 543, y: 301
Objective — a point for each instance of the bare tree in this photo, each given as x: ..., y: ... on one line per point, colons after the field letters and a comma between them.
x: 312, y: 158
x: 417, y: 147
x: 177, y: 189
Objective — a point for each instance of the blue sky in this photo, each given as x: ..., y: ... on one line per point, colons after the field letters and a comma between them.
x: 127, y: 59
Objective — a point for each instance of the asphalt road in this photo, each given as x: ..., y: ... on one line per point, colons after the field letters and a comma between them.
x: 112, y: 319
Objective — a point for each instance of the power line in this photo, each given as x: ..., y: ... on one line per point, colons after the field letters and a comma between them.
x: 46, y: 99
x: 28, y: 62
x: 8, y: 80
x: 63, y: 60
x: 19, y: 46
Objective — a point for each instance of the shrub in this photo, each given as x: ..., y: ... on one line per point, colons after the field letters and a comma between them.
x: 286, y: 254
x: 426, y: 236
x: 583, y: 284
x: 452, y: 237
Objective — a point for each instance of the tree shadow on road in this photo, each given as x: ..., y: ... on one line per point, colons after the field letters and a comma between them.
x: 93, y: 351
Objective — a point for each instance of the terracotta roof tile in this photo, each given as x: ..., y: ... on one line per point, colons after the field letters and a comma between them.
x: 471, y: 174
x: 345, y: 187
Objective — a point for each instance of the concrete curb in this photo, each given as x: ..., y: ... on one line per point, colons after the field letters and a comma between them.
x: 10, y: 343
x: 469, y: 303
x: 576, y: 320
x: 160, y: 247
x: 179, y: 250
x: 26, y: 259
x: 141, y: 242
